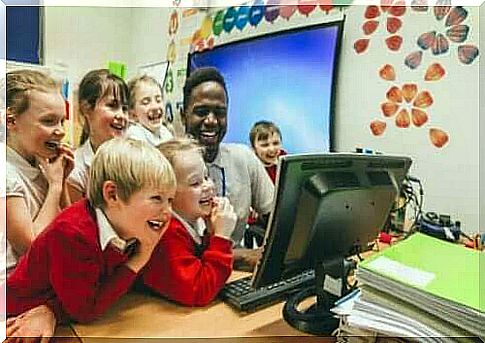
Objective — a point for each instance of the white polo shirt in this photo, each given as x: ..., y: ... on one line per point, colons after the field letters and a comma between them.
x: 139, y: 132
x: 239, y: 175
x: 83, y: 157
x: 26, y: 182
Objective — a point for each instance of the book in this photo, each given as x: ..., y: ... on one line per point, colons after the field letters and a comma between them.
x: 436, y: 276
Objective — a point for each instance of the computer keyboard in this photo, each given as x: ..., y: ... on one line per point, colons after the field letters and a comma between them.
x: 242, y: 297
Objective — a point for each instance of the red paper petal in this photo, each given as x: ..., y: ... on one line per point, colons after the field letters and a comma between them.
x: 377, y: 127
x: 387, y: 72
x: 435, y: 72
x: 370, y: 26
x: 419, y: 117
x: 394, y: 42
x: 361, y: 45
x: 394, y: 94
x: 402, y: 119
x: 438, y: 137
x: 371, y: 12
x: 393, y: 24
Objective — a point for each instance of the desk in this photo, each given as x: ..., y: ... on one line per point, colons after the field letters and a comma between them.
x: 141, y: 315
x: 65, y: 334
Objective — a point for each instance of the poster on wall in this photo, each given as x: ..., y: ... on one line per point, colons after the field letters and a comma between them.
x: 157, y: 70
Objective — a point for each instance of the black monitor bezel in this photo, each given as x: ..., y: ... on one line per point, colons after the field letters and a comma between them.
x: 338, y: 47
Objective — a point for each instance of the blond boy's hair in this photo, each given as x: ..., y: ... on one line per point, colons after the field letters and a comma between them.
x: 170, y: 148
x: 19, y: 85
x: 132, y: 165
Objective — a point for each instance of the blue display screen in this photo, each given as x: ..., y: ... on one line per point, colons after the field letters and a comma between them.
x: 287, y: 78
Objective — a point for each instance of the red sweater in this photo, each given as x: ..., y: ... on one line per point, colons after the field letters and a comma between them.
x: 66, y: 269
x: 185, y: 272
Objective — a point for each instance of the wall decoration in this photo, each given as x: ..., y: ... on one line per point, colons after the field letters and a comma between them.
x: 217, y: 24
x: 206, y: 27
x: 171, y: 52
x: 454, y: 31
x: 390, y: 12
x: 326, y: 5
x: 272, y: 10
x: 306, y: 7
x: 242, y: 17
x: 168, y: 112
x: 169, y: 82
x: 189, y: 12
x: 256, y: 13
x: 377, y: 127
x: 419, y: 5
x: 409, y: 105
x: 229, y: 19
x: 173, y: 23
x: 435, y: 72
x: 287, y: 11
x: 438, y: 137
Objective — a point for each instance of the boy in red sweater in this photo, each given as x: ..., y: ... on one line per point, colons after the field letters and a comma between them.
x: 92, y: 252
x: 191, y: 264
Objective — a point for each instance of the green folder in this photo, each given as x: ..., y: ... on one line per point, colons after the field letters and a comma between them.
x: 437, y: 267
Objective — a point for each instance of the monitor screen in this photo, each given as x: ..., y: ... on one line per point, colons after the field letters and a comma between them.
x: 286, y: 77
x: 327, y: 206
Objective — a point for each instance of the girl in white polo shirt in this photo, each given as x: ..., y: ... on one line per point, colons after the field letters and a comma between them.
x: 147, y: 109
x: 103, y: 101
x: 37, y: 161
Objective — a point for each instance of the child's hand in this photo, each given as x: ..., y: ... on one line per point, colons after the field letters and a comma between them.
x: 148, y: 239
x: 65, y: 151
x: 223, y: 219
x: 57, y: 169
x: 38, y: 322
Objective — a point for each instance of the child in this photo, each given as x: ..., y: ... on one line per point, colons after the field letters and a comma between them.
x: 146, y: 107
x: 103, y: 100
x: 188, y: 266
x: 92, y: 252
x: 37, y: 163
x: 266, y: 141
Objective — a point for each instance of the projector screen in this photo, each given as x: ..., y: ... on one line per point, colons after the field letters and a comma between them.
x: 287, y: 77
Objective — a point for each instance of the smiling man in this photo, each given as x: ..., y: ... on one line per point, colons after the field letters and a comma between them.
x: 236, y: 171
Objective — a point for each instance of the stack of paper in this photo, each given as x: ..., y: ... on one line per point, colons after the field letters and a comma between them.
x: 422, y: 287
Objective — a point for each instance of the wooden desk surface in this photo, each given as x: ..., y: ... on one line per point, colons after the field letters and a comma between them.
x: 141, y: 315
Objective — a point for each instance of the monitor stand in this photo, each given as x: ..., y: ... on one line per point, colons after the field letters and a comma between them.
x: 318, y: 319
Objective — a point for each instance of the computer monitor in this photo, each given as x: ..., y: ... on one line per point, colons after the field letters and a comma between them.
x: 327, y: 207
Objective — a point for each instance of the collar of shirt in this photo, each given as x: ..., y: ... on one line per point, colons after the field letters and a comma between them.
x: 106, y: 231
x: 22, y: 164
x: 88, y: 153
x: 195, y: 232
x: 219, y: 160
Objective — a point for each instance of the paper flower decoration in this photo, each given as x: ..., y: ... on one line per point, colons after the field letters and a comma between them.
x: 454, y: 31
x: 389, y: 13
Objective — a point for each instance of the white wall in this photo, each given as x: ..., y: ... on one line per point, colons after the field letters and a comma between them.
x: 450, y: 174
x: 149, y: 33
x: 85, y: 38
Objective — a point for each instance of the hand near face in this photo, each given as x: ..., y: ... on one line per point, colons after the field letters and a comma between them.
x: 57, y: 169
x: 37, y: 323
x: 222, y: 219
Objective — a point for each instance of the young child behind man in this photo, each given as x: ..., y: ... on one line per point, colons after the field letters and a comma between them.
x: 266, y: 141
x: 189, y: 266
x: 92, y: 252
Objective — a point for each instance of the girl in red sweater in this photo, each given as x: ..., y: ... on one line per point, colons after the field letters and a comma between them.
x: 194, y: 258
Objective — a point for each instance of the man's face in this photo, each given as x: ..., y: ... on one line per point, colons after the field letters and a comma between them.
x: 206, y: 117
